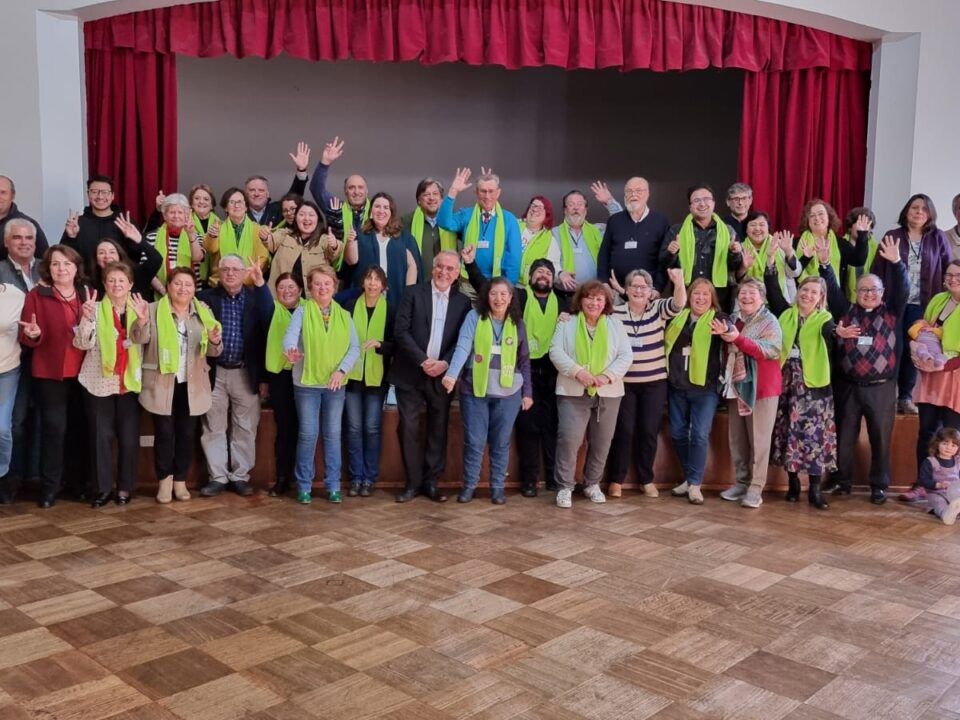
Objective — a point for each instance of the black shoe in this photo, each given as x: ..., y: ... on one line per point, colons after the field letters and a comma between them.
x: 407, y: 495
x: 47, y: 501
x: 878, y: 496
x: 498, y: 497
x: 435, y: 494
x: 551, y: 486
x: 793, y: 490
x: 243, y: 488
x: 211, y: 489
x: 8, y: 490
x: 279, y: 488
x: 122, y: 499
x: 465, y: 496
x: 354, y: 489
x: 366, y: 489
x: 815, y: 497
x: 101, y: 499
x: 529, y: 491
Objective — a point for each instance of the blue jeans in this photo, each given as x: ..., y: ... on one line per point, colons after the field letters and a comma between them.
x: 364, y: 412
x: 907, y: 371
x: 488, y: 419
x: 318, y: 408
x: 691, y: 417
x: 8, y: 396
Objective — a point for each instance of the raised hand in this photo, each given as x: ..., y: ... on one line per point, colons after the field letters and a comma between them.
x: 736, y: 247
x: 301, y: 158
x: 676, y: 276
x: 140, y: 306
x: 30, y: 329
x: 448, y: 383
x: 823, y: 251
x: 256, y: 272
x: 615, y: 284
x: 293, y: 354
x: 265, y: 232
x: 862, y: 224
x: 468, y: 254
x: 847, y: 332
x: 213, y: 228
x: 335, y: 203
x: 889, y: 249
x: 601, y: 192
x: 674, y: 247
x: 749, y: 256
x: 784, y: 239
x: 160, y: 198
x: 460, y: 182
x: 72, y: 227
x: 807, y: 247
x: 332, y: 151
x: 89, y: 307
x: 126, y: 227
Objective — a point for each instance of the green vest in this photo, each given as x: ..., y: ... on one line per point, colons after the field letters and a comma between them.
x: 369, y: 367
x: 814, y: 356
x: 323, y: 347
x: 699, y: 345
x: 231, y: 245
x: 540, y: 323
x: 688, y: 242
x: 482, y: 346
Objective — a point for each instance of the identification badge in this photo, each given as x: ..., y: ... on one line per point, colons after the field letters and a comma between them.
x: 865, y: 340
x: 630, y: 245
x: 686, y: 351
x: 794, y: 352
x: 495, y: 350
x: 483, y: 245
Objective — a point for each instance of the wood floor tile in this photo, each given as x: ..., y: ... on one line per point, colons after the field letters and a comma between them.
x: 13, y: 621
x: 49, y: 674
x: 485, y: 695
x: 250, y: 647
x: 366, y: 647
x: 855, y: 700
x: 174, y: 673
x: 565, y: 573
x: 703, y: 649
x: 29, y: 645
x: 317, y: 625
x: 660, y: 675
x: 173, y: 606
x: 729, y: 698
x: 780, y: 675
x: 608, y: 698
x: 232, y: 696
x: 425, y: 625
x: 135, y: 648
x: 476, y: 605
x: 298, y: 672
x: 102, y: 698
x: 591, y: 650
x: 65, y: 607
x: 481, y: 647
x: 376, y: 605
x: 523, y: 588
x: 421, y: 672
x: 354, y: 697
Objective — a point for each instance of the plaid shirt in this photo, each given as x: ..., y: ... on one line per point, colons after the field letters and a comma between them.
x: 878, y: 360
x: 232, y: 321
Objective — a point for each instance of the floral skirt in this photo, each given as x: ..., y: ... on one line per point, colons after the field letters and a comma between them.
x: 805, y: 432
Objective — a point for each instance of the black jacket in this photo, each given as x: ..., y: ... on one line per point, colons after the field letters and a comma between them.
x: 254, y: 331
x: 272, y: 212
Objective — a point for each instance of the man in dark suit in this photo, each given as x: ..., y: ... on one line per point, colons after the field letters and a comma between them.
x: 235, y: 405
x: 426, y: 331
x: 261, y: 208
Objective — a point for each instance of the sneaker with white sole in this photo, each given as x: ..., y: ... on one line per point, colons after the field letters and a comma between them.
x: 949, y: 516
x: 752, y: 499
x: 594, y: 494
x: 695, y: 495
x: 734, y: 492
x: 564, y: 498
x: 650, y: 490
x: 680, y: 490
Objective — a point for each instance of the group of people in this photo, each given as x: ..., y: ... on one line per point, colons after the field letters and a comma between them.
x: 558, y: 329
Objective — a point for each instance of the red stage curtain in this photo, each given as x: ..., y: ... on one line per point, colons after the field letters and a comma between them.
x: 627, y: 34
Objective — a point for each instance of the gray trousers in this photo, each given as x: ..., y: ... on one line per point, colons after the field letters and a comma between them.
x: 231, y: 455
x: 938, y: 500
x: 750, y: 437
x: 593, y: 417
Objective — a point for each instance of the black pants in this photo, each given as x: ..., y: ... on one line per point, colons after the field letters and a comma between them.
x: 25, y: 460
x: 932, y: 418
x: 537, y: 427
x: 877, y: 404
x: 424, y: 459
x: 641, y: 413
x: 174, y: 437
x: 62, y: 436
x: 285, y: 418
x: 114, y: 416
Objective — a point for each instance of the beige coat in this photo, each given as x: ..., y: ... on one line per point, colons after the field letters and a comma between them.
x: 157, y: 393
x: 286, y: 250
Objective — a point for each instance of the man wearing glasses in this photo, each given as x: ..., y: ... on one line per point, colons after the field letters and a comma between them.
x: 739, y: 200
x: 84, y: 231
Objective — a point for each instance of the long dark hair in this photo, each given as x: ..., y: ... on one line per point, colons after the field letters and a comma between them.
x: 483, y: 300
x: 930, y: 224
x: 313, y: 238
x: 392, y: 228
x: 93, y: 270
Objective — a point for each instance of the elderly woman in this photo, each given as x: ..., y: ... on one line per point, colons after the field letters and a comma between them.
x: 382, y: 242
x: 761, y: 249
x: 926, y: 251
x: 202, y: 203
x: 693, y: 367
x: 111, y: 375
x: 805, y: 432
x: 752, y: 384
x: 592, y: 354
x: 820, y: 224
x: 51, y: 314
x: 237, y: 235
x: 11, y: 308
x: 322, y: 344
x: 110, y: 251
x: 179, y: 337
x: 308, y: 242
x: 176, y: 240
x: 645, y: 384
x: 493, y: 348
x: 536, y: 234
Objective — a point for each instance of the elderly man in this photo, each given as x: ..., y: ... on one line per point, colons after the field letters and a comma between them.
x: 703, y: 245
x: 260, y: 207
x: 230, y: 426
x: 633, y: 237
x: 422, y: 224
x: 865, y: 384
x: 425, y: 335
x: 84, y: 231
x: 739, y: 200
x: 576, y: 242
x: 9, y: 211
x: 352, y: 213
x: 494, y: 231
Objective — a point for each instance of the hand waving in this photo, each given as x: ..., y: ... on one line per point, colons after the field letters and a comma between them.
x: 72, y: 227
x: 889, y: 250
x: 460, y: 182
x: 301, y: 158
x: 126, y: 227
x: 601, y: 192
x: 332, y: 151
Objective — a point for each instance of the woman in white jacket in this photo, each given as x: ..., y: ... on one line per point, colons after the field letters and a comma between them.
x: 592, y: 354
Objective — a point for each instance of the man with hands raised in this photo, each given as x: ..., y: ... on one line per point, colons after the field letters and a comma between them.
x: 84, y: 231
x: 356, y: 206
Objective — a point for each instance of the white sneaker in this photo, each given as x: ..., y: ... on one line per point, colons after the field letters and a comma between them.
x: 681, y: 489
x: 734, y: 492
x: 564, y: 498
x: 594, y: 494
x: 949, y: 516
x: 694, y: 495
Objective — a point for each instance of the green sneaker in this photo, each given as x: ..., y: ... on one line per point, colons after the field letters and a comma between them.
x: 303, y: 497
x: 334, y: 496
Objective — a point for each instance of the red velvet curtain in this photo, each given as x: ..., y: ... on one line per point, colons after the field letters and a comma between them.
x: 627, y: 34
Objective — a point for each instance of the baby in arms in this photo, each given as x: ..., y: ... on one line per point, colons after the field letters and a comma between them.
x: 926, y: 346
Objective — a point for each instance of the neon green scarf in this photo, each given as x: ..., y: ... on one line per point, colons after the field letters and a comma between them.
x: 537, y: 248
x: 951, y: 326
x: 592, y: 237
x: 813, y: 267
x: 852, y: 277
x: 814, y: 356
x: 591, y: 353
x: 107, y: 341
x: 540, y: 323
x: 369, y: 367
x: 448, y: 239
x: 482, y: 346
x: 347, y: 214
x: 471, y: 236
x: 198, y: 226
x: 699, y: 345
x: 168, y: 343
x: 276, y: 361
x: 184, y: 256
x: 230, y: 245
x: 323, y: 347
x: 688, y: 243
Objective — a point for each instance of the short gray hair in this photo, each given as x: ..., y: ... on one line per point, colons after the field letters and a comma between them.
x: 867, y: 276
x: 754, y: 283
x: 15, y: 223
x: 487, y: 177
x: 232, y: 256
x: 739, y: 187
x: 634, y: 274
x: 452, y: 253
x: 13, y: 188
x: 174, y: 199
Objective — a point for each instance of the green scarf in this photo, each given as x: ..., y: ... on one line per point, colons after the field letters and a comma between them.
x: 591, y: 353
x: 814, y: 356
x: 540, y: 323
x: 471, y: 236
x: 369, y: 367
x: 198, y: 226
x: 230, y: 245
x: 852, y: 275
x: 448, y: 239
x: 951, y: 326
x: 483, y: 344
x: 699, y: 345
x: 323, y: 347
x: 347, y: 214
x: 760, y: 264
x: 537, y: 248
x: 276, y: 361
x: 688, y: 243
x: 813, y: 267
x: 107, y: 341
x: 184, y: 256
x: 168, y: 344
x: 590, y: 234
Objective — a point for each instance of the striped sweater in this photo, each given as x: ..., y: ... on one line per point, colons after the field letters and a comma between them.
x: 645, y: 333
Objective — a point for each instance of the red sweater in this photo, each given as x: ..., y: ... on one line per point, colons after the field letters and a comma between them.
x: 53, y: 350
x: 769, y: 376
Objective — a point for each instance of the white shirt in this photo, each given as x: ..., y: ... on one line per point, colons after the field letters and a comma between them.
x: 382, y: 243
x: 441, y: 301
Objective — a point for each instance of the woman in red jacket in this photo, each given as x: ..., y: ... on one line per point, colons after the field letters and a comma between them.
x: 51, y: 315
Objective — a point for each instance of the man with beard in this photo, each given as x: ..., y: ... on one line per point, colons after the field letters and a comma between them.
x: 421, y: 223
x: 576, y: 242
x: 83, y: 232
x: 634, y: 237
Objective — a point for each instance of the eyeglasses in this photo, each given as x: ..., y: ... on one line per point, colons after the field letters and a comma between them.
x: 236, y: 202
x: 229, y: 270
x: 740, y: 198
x: 639, y: 287
x: 866, y: 290
x: 951, y: 276
x: 99, y: 193
x: 701, y: 201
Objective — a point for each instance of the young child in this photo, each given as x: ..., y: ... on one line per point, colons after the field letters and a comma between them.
x: 940, y: 475
x: 926, y: 346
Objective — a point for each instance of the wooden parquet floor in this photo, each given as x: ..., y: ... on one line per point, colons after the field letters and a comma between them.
x: 259, y: 608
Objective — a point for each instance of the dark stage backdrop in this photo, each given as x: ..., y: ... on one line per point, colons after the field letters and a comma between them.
x: 543, y: 130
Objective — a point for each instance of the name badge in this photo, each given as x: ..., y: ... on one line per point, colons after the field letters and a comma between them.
x: 630, y: 245
x: 686, y: 351
x: 865, y: 340
x: 794, y: 353
x: 483, y: 245
x: 495, y: 350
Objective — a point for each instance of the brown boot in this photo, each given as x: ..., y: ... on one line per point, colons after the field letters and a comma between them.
x: 165, y: 490
x: 180, y: 491
x: 614, y: 490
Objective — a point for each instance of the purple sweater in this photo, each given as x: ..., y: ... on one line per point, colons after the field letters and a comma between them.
x: 935, y: 255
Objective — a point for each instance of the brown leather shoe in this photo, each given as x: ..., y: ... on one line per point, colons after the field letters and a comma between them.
x: 614, y: 490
